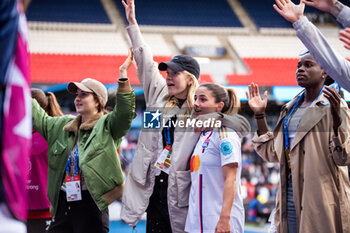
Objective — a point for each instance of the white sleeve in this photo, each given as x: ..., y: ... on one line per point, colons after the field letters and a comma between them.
x: 153, y: 83
x: 335, y: 65
x: 229, y: 145
x: 344, y: 16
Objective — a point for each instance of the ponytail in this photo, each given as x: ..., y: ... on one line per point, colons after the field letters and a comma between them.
x: 226, y: 95
x: 233, y: 102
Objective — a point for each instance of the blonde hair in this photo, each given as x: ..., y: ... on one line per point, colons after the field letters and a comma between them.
x: 173, y: 101
x: 226, y: 95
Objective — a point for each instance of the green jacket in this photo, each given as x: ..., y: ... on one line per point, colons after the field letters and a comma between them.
x: 99, y: 139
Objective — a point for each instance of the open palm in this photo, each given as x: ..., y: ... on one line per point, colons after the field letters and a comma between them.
x: 123, y: 69
x: 129, y: 6
x: 288, y: 10
x: 256, y: 104
x: 323, y: 5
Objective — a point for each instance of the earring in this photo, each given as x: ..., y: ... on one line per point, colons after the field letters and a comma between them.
x: 323, y: 76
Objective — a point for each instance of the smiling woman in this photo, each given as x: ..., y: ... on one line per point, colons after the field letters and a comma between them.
x: 150, y: 188
x: 216, y: 168
x: 84, y: 174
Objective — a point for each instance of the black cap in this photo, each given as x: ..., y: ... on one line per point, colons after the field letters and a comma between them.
x: 181, y: 63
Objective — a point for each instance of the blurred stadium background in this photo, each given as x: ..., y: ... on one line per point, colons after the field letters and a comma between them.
x: 235, y: 41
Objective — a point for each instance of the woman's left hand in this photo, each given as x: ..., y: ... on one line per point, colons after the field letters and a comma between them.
x: 334, y: 100
x: 223, y: 226
x: 123, y: 69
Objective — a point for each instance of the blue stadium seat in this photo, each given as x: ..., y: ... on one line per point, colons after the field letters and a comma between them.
x: 72, y: 11
x: 263, y: 14
x: 205, y: 13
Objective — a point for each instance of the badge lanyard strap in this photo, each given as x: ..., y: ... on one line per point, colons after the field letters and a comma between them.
x: 76, y: 155
x: 206, y: 140
x: 167, y: 136
x: 287, y: 119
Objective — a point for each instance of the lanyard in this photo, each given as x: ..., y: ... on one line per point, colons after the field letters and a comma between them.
x: 76, y: 156
x: 167, y: 136
x: 206, y: 141
x: 287, y: 119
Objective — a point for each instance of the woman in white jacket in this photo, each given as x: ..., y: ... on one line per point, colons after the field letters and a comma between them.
x: 329, y: 59
x: 162, y: 194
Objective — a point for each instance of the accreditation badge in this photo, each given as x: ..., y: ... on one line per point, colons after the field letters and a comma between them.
x: 73, y: 189
x: 163, y: 161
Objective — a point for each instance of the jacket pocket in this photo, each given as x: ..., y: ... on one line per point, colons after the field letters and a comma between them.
x: 57, y: 152
x: 141, y: 163
x: 183, y: 181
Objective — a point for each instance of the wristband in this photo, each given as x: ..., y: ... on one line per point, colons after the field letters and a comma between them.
x: 259, y: 116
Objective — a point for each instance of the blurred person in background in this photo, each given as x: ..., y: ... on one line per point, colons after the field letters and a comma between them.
x: 215, y: 202
x: 330, y: 60
x: 162, y: 193
x: 38, y: 203
x: 84, y: 174
x: 15, y: 114
x: 311, y: 144
x: 257, y: 212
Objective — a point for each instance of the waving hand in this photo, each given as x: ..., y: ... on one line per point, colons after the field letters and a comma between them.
x: 288, y: 10
x: 256, y: 104
x: 129, y: 6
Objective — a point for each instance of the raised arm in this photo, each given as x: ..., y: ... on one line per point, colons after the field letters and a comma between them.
x: 147, y: 70
x: 264, y: 139
x: 45, y: 124
x: 258, y: 106
x: 288, y: 10
x: 331, y: 61
x: 124, y: 111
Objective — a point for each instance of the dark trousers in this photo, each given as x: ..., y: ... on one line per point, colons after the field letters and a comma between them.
x: 157, y: 211
x: 79, y: 216
x: 38, y: 225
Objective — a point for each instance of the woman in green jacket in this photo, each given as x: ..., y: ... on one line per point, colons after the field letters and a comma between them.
x: 84, y: 172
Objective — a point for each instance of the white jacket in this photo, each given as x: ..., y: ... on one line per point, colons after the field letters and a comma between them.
x: 336, y: 66
x: 140, y: 181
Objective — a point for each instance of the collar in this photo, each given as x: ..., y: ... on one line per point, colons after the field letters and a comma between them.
x: 75, y: 124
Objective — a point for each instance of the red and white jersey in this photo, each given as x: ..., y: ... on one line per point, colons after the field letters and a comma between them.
x: 215, y: 149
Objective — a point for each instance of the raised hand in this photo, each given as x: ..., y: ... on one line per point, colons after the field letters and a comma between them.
x: 323, y: 5
x: 123, y: 69
x: 129, y: 6
x: 344, y: 35
x: 288, y: 10
x: 334, y: 100
x: 256, y: 104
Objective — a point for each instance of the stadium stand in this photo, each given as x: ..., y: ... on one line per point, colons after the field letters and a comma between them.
x: 265, y: 16
x: 271, y: 60
x: 68, y: 42
x: 72, y: 11
x: 182, y: 41
x: 200, y: 13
